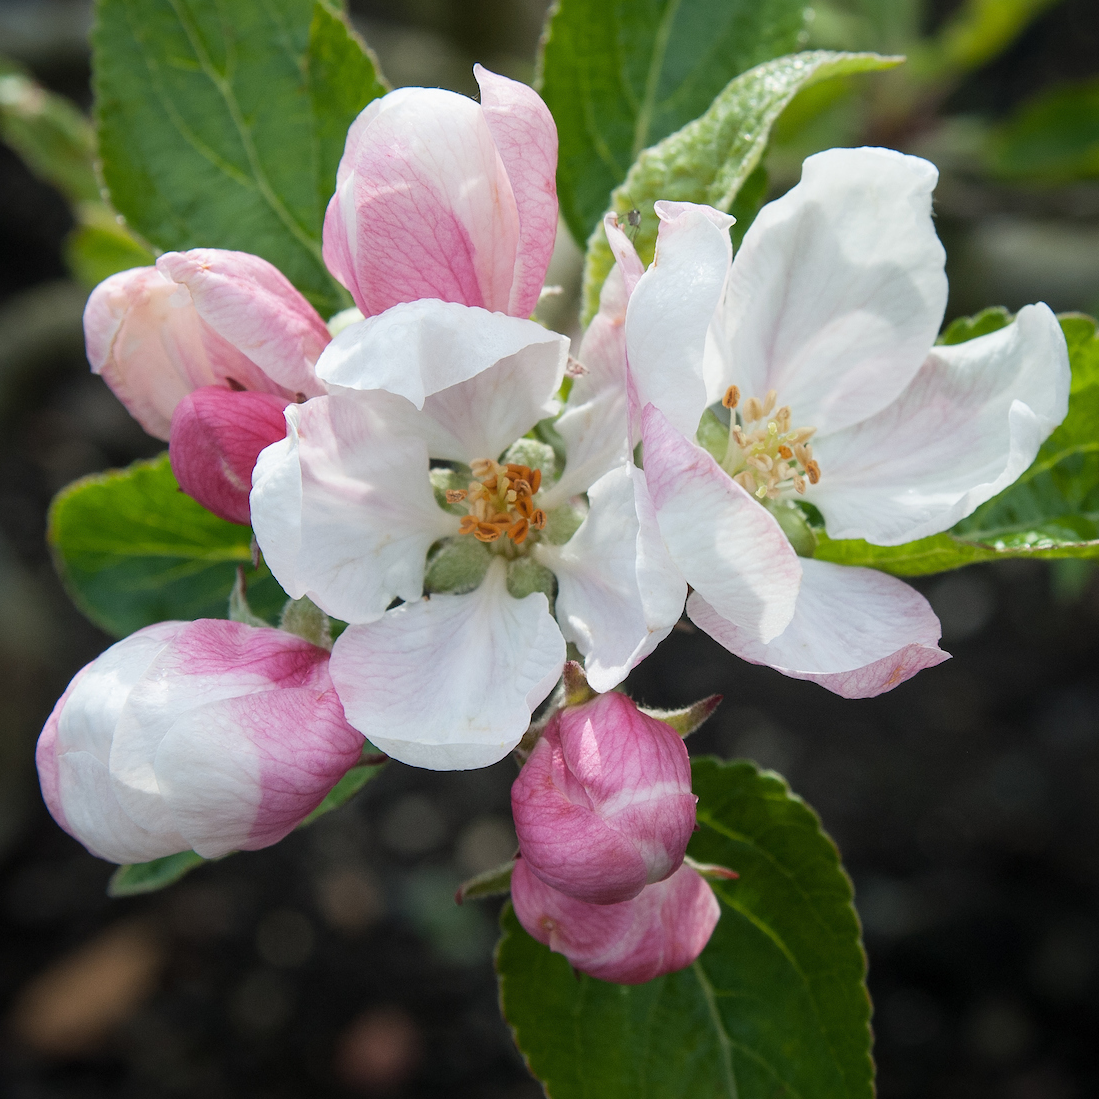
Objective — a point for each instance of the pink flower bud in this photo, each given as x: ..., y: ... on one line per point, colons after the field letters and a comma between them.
x: 438, y: 196
x: 663, y: 929
x: 603, y: 806
x: 217, y: 435
x: 208, y: 735
x: 204, y: 317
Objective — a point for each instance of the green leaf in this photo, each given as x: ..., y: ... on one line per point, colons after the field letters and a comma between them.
x: 1051, y: 511
x: 1053, y: 137
x: 221, y: 125
x: 132, y: 549
x: 987, y: 320
x: 619, y: 75
x: 980, y: 30
x: 100, y: 247
x: 775, y: 1006
x: 711, y: 158
x: 148, y: 877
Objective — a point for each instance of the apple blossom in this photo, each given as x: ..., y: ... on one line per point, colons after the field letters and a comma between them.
x: 420, y: 450
x: 603, y: 805
x: 661, y: 930
x: 438, y: 196
x: 199, y: 349
x: 208, y: 735
x: 824, y: 330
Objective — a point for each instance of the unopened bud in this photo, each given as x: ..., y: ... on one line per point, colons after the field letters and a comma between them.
x: 603, y: 806
x: 661, y: 930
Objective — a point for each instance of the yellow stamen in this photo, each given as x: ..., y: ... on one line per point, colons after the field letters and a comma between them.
x: 731, y: 398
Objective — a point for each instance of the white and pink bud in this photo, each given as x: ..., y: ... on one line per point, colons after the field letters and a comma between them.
x: 198, y: 318
x: 210, y: 736
x: 438, y: 196
x: 661, y: 930
x: 603, y: 806
x: 217, y: 435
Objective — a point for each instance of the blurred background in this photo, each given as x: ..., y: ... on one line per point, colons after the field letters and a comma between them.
x: 966, y: 802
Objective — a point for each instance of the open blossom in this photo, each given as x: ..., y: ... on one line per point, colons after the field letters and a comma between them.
x: 210, y: 735
x: 438, y: 196
x: 661, y: 930
x: 823, y: 386
x: 420, y: 447
x: 206, y: 349
x: 603, y: 806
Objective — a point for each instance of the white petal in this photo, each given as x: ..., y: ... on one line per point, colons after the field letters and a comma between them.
x: 367, y: 513
x: 857, y: 632
x: 593, y: 424
x: 421, y: 347
x: 838, y: 289
x: 670, y: 311
x: 663, y: 589
x: 449, y: 683
x: 969, y: 424
x: 599, y: 604
x: 727, y: 545
x: 97, y: 819
x: 275, y: 505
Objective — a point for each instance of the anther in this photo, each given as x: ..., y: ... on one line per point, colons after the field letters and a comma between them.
x: 538, y: 519
x: 769, y: 402
x: 731, y: 398
x: 753, y: 410
x: 785, y: 452
x: 455, y: 495
x: 813, y: 470
x: 799, y: 485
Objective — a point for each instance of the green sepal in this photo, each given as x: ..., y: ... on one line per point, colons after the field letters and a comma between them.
x: 534, y: 454
x: 149, y: 877
x: 713, y: 435
x: 492, y: 883
x: 457, y: 565
x: 794, y: 525
x: 525, y: 576
x: 348, y: 786
x: 686, y: 720
x: 239, y: 610
x: 303, y: 618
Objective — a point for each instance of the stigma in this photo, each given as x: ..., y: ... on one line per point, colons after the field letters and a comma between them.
x: 765, y: 455
x: 500, y: 502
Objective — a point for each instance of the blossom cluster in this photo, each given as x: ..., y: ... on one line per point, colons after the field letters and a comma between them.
x: 417, y: 468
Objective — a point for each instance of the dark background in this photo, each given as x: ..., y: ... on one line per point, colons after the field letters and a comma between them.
x: 966, y: 802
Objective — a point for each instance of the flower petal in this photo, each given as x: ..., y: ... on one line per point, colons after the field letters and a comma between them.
x: 217, y: 435
x: 367, y: 513
x: 252, y: 305
x: 838, y: 289
x: 526, y: 139
x: 599, y: 604
x: 423, y: 206
x: 146, y: 340
x: 241, y: 773
x: 423, y: 347
x: 727, y: 545
x: 593, y: 424
x: 450, y: 682
x: 671, y: 309
x: 969, y: 424
x: 208, y: 661
x: 857, y: 632
x: 626, y: 258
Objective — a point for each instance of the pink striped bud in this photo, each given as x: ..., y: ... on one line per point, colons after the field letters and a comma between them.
x: 663, y: 929
x: 216, y: 437
x: 603, y: 806
x: 210, y: 735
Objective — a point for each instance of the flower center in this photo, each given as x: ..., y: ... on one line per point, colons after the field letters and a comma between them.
x: 500, y: 502
x: 765, y: 455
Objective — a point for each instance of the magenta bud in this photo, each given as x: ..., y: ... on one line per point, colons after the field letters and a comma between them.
x: 663, y: 929
x: 603, y: 806
x: 217, y: 435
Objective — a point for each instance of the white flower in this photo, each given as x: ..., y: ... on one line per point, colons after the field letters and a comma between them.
x: 824, y: 331
x: 346, y: 513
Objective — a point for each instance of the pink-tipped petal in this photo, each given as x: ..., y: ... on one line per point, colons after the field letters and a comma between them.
x: 856, y: 631
x: 662, y: 930
x: 526, y: 138
x: 603, y: 806
x: 423, y: 207
x: 727, y: 546
x: 625, y: 255
x: 253, y: 306
x: 241, y: 773
x: 217, y: 435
